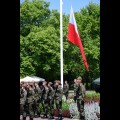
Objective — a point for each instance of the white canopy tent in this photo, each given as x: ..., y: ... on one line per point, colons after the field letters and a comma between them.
x: 37, y: 79
x: 32, y: 79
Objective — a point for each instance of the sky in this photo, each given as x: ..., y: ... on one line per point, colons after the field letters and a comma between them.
x: 76, y: 4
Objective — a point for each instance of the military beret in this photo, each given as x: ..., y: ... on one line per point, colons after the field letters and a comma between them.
x: 50, y: 83
x: 79, y: 78
x: 59, y: 82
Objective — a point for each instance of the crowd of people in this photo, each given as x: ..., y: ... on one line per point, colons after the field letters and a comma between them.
x: 47, y: 94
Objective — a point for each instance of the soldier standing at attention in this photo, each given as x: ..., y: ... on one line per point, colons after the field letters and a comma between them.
x: 83, y: 91
x: 58, y: 98
x: 75, y: 84
x: 45, y: 99
x: 51, y: 95
x: 23, y: 95
x: 79, y: 93
x: 26, y: 105
x: 37, y: 98
x: 30, y: 100
x: 66, y: 89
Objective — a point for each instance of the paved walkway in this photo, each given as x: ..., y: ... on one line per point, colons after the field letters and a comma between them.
x: 47, y: 119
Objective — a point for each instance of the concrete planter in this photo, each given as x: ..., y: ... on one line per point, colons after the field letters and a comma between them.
x: 65, y: 113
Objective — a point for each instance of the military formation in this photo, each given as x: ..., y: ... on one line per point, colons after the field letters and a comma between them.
x: 48, y: 94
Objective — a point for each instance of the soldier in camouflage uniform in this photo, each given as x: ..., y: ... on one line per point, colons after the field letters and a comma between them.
x: 83, y: 91
x: 45, y: 92
x: 58, y: 99
x: 37, y: 96
x: 66, y: 89
x: 30, y: 100
x: 26, y: 105
x: 51, y: 95
x: 79, y: 93
x: 23, y: 95
x: 75, y: 84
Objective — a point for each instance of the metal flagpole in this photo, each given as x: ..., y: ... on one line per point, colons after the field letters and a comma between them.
x: 61, y: 44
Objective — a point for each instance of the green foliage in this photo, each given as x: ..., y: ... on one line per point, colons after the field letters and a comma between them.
x: 93, y: 95
x: 32, y: 14
x: 65, y: 105
x: 40, y: 42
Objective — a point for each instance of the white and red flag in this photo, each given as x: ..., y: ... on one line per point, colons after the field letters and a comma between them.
x: 74, y: 37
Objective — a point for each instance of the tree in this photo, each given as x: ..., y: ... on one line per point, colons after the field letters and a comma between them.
x: 32, y: 13
x: 40, y: 42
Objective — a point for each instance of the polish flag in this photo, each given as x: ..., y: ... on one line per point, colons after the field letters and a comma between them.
x: 74, y: 37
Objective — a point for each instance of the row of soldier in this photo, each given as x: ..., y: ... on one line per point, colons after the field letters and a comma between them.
x: 48, y: 94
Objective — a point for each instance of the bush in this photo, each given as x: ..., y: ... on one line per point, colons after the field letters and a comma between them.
x: 65, y: 109
x: 92, y: 97
x: 65, y: 105
x: 89, y: 97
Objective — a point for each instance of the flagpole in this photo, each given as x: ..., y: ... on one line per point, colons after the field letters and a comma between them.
x: 61, y: 44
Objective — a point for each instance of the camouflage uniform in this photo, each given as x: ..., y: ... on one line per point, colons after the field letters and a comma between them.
x: 83, y: 93
x: 75, y: 86
x: 30, y: 102
x: 66, y: 90
x: 23, y: 95
x: 58, y: 100
x: 51, y: 101
x: 37, y: 100
x: 78, y: 91
x: 45, y: 101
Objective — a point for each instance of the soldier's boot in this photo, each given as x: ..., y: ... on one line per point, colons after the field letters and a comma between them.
x: 82, y: 117
x: 35, y: 114
x: 31, y: 118
x: 45, y: 116
x: 59, y: 117
x: 24, y: 118
x: 51, y: 117
x: 82, y: 114
x: 38, y: 114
